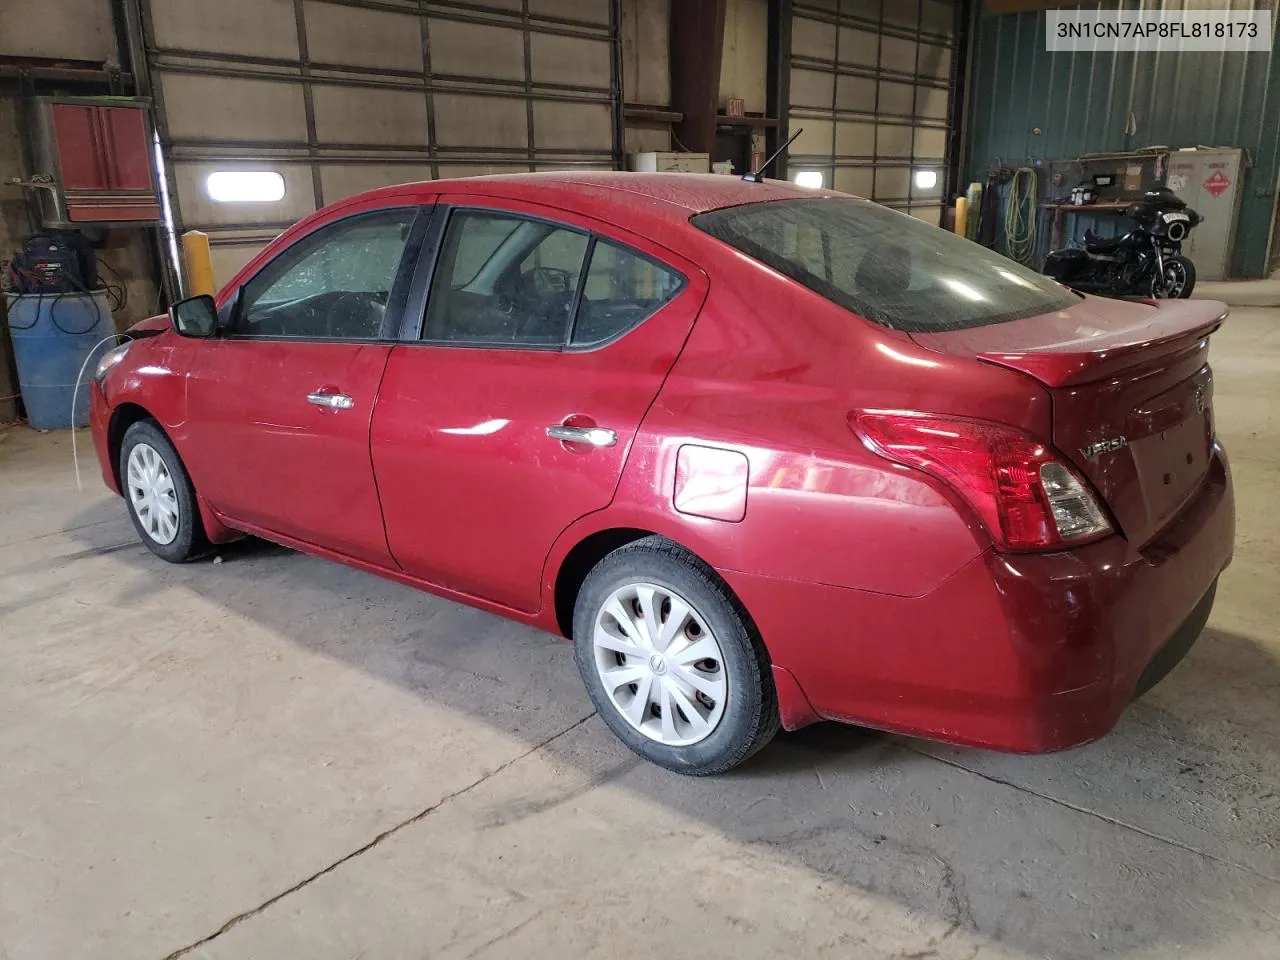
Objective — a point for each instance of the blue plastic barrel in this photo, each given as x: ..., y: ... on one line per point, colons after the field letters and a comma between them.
x: 53, y: 334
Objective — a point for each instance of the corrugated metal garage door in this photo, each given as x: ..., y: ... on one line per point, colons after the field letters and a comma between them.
x: 339, y: 96
x: 870, y: 85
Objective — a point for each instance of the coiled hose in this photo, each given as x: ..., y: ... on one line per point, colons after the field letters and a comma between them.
x: 1020, y: 215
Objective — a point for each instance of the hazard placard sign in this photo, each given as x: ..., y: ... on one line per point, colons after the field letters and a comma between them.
x: 1217, y: 184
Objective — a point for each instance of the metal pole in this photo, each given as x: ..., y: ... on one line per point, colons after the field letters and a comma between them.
x: 778, y: 82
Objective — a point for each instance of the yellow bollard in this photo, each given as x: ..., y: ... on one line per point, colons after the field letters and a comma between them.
x: 974, y: 196
x: 195, y: 250
x: 962, y: 216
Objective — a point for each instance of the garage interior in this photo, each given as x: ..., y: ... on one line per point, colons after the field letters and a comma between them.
x: 270, y: 755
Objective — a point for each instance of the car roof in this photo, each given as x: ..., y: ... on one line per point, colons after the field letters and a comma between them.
x: 666, y: 196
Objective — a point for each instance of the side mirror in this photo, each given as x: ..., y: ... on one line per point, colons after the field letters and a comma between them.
x: 195, y: 316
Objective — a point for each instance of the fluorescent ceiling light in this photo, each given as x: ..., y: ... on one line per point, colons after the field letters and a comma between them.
x: 926, y: 179
x: 245, y: 186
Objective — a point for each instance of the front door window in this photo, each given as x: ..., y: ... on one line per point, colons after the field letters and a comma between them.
x: 332, y: 285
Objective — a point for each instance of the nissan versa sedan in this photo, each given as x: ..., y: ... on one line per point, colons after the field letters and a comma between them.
x: 766, y: 455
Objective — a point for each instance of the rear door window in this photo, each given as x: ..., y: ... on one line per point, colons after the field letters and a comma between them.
x: 885, y: 266
x: 506, y: 279
x: 622, y: 289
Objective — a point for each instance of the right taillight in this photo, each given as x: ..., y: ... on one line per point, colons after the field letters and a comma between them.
x: 1025, y: 495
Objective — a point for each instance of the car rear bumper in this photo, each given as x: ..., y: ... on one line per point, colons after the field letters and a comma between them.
x: 99, y: 421
x: 1019, y: 652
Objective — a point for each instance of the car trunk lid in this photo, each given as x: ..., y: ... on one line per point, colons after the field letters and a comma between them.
x: 1131, y: 393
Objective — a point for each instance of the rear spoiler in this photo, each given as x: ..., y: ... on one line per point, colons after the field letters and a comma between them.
x: 1175, y: 328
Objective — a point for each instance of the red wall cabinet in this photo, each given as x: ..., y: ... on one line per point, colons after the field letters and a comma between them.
x: 97, y: 154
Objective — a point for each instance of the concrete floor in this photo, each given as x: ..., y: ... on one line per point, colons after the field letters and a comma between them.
x: 1242, y: 293
x: 276, y: 757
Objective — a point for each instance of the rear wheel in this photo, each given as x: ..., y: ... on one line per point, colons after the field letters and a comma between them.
x: 671, y: 660
x: 1178, y: 281
x: 161, y: 499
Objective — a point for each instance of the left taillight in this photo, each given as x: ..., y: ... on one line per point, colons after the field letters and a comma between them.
x: 1025, y: 495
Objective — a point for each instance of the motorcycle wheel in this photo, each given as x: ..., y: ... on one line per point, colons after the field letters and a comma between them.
x: 1178, y: 281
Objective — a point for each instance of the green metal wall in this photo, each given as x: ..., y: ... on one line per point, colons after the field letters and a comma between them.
x: 1080, y: 104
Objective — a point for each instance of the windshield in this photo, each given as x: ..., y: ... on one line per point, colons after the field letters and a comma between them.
x: 886, y: 266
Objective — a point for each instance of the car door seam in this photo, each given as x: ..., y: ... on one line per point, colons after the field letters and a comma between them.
x: 626, y: 459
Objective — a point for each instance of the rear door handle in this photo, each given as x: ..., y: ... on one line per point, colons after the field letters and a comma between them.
x: 592, y: 436
x: 334, y: 401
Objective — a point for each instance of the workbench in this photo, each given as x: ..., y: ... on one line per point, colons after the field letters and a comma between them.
x: 1060, y: 211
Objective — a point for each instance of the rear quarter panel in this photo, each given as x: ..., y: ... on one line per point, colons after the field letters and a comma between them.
x: 774, y: 370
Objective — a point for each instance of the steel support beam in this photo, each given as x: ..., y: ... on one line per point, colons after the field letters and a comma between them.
x: 697, y: 42
x: 966, y: 16
x: 778, y: 83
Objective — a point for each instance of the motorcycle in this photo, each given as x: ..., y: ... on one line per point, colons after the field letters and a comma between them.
x: 1145, y: 262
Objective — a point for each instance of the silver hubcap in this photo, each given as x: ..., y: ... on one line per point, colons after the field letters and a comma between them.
x: 1175, y: 279
x: 660, y: 664
x: 152, y: 494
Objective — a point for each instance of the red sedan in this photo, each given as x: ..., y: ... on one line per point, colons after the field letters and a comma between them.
x: 767, y: 455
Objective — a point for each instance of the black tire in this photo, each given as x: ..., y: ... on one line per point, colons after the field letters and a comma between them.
x: 750, y: 714
x: 1160, y: 287
x: 189, y: 542
x: 1190, y: 283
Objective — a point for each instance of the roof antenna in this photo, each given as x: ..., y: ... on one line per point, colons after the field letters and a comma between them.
x: 757, y: 176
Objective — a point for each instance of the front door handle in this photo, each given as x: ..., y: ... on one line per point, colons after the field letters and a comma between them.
x: 334, y: 401
x: 592, y: 436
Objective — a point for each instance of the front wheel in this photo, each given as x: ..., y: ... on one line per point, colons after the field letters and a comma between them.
x: 161, y: 499
x: 671, y: 660
x: 1178, y: 281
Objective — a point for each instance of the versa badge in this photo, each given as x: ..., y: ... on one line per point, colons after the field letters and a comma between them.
x: 1110, y: 445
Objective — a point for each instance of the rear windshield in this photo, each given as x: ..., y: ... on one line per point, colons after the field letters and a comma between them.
x: 886, y: 266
